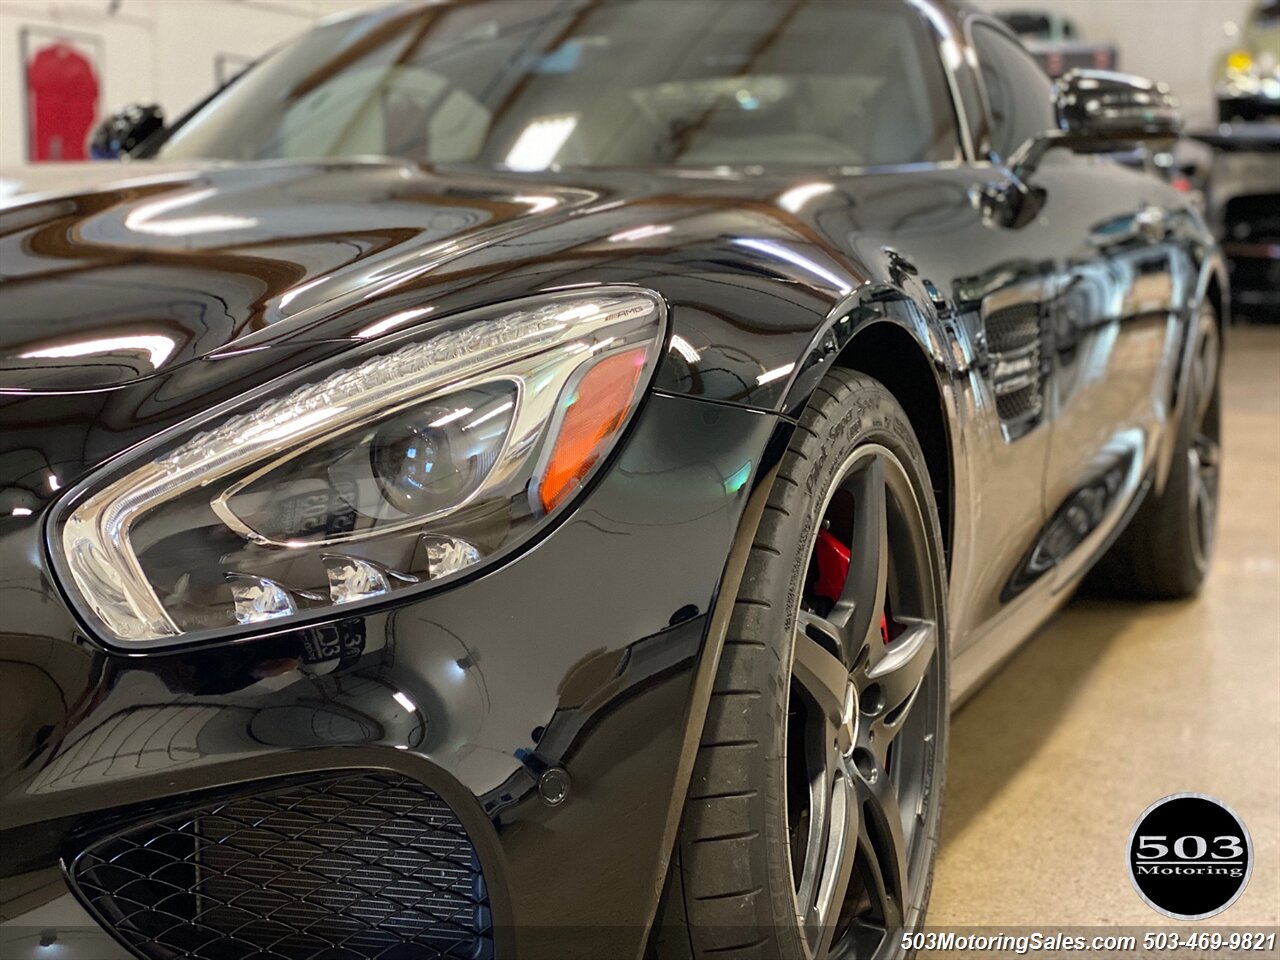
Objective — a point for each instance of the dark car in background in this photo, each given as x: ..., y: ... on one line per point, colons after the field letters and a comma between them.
x: 530, y: 478
x: 1242, y: 194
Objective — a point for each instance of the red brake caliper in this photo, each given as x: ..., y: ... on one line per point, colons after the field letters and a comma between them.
x: 833, y: 571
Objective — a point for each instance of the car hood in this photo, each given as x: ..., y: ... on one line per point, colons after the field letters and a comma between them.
x: 106, y: 285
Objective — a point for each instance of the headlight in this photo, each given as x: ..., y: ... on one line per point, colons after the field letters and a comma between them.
x: 400, y: 469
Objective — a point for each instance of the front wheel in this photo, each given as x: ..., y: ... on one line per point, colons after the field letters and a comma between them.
x: 811, y: 825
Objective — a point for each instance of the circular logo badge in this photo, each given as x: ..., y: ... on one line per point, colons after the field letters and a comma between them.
x: 1190, y: 856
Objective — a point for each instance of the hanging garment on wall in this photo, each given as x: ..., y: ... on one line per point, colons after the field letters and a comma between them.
x: 62, y: 97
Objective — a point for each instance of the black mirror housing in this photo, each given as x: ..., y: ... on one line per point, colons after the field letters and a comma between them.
x: 1108, y: 107
x: 1100, y: 111
x: 119, y: 134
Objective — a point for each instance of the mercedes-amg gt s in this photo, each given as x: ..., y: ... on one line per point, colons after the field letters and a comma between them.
x: 528, y: 478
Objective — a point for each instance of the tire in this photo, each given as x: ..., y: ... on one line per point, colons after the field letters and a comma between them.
x: 787, y: 734
x: 1165, y: 551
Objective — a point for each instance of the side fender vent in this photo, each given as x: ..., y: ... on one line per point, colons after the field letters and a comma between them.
x: 1017, y: 371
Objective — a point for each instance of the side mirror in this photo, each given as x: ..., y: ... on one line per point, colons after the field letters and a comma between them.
x: 124, y: 130
x: 1103, y: 112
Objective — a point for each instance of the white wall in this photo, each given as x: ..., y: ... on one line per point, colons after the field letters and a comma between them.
x: 1177, y: 41
x: 160, y: 51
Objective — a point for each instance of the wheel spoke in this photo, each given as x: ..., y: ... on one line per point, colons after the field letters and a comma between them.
x: 1202, y: 490
x: 1206, y: 501
x: 838, y: 859
x: 863, y: 598
x: 1205, y: 375
x: 1205, y: 510
x: 883, y: 846
x: 826, y: 772
x: 900, y: 671
x: 1209, y: 453
x: 821, y: 673
x: 825, y: 632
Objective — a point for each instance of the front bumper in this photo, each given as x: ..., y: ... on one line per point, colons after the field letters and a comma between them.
x: 582, y: 653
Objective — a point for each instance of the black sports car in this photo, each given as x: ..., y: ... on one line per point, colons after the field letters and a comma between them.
x: 527, y: 478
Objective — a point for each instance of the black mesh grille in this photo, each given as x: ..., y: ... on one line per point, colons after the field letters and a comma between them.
x: 1013, y: 328
x: 1019, y: 404
x: 1013, y: 338
x: 351, y: 867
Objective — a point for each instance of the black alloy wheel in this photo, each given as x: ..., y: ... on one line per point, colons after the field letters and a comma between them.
x: 859, y: 753
x: 812, y: 820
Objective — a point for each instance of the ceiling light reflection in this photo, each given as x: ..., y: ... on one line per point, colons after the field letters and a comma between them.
x: 155, y: 346
x: 289, y: 296
x: 448, y: 418
x: 641, y: 233
x: 536, y: 147
x: 795, y: 199
x: 391, y: 322
x: 496, y: 411
x: 683, y: 347
x: 538, y: 204
x: 780, y: 252
x: 404, y: 701
x: 144, y: 218
x: 777, y: 373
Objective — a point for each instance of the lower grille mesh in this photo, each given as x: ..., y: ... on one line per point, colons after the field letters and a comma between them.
x: 360, y: 867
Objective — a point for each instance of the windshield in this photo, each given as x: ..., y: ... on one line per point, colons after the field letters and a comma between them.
x: 535, y: 84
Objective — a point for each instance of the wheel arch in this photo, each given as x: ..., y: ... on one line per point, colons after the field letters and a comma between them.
x: 884, y: 334
x: 889, y: 354
x: 1213, y: 287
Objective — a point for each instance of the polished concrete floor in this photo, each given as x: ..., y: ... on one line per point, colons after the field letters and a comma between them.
x: 1112, y: 706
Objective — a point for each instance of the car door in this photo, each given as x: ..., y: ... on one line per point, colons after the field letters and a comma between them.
x: 1110, y: 331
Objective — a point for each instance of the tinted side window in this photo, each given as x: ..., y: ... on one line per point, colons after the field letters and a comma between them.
x: 1019, y: 93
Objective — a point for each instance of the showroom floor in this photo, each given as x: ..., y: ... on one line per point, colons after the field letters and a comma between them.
x: 1112, y: 706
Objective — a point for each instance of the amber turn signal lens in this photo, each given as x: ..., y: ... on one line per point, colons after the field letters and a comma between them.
x: 596, y: 411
